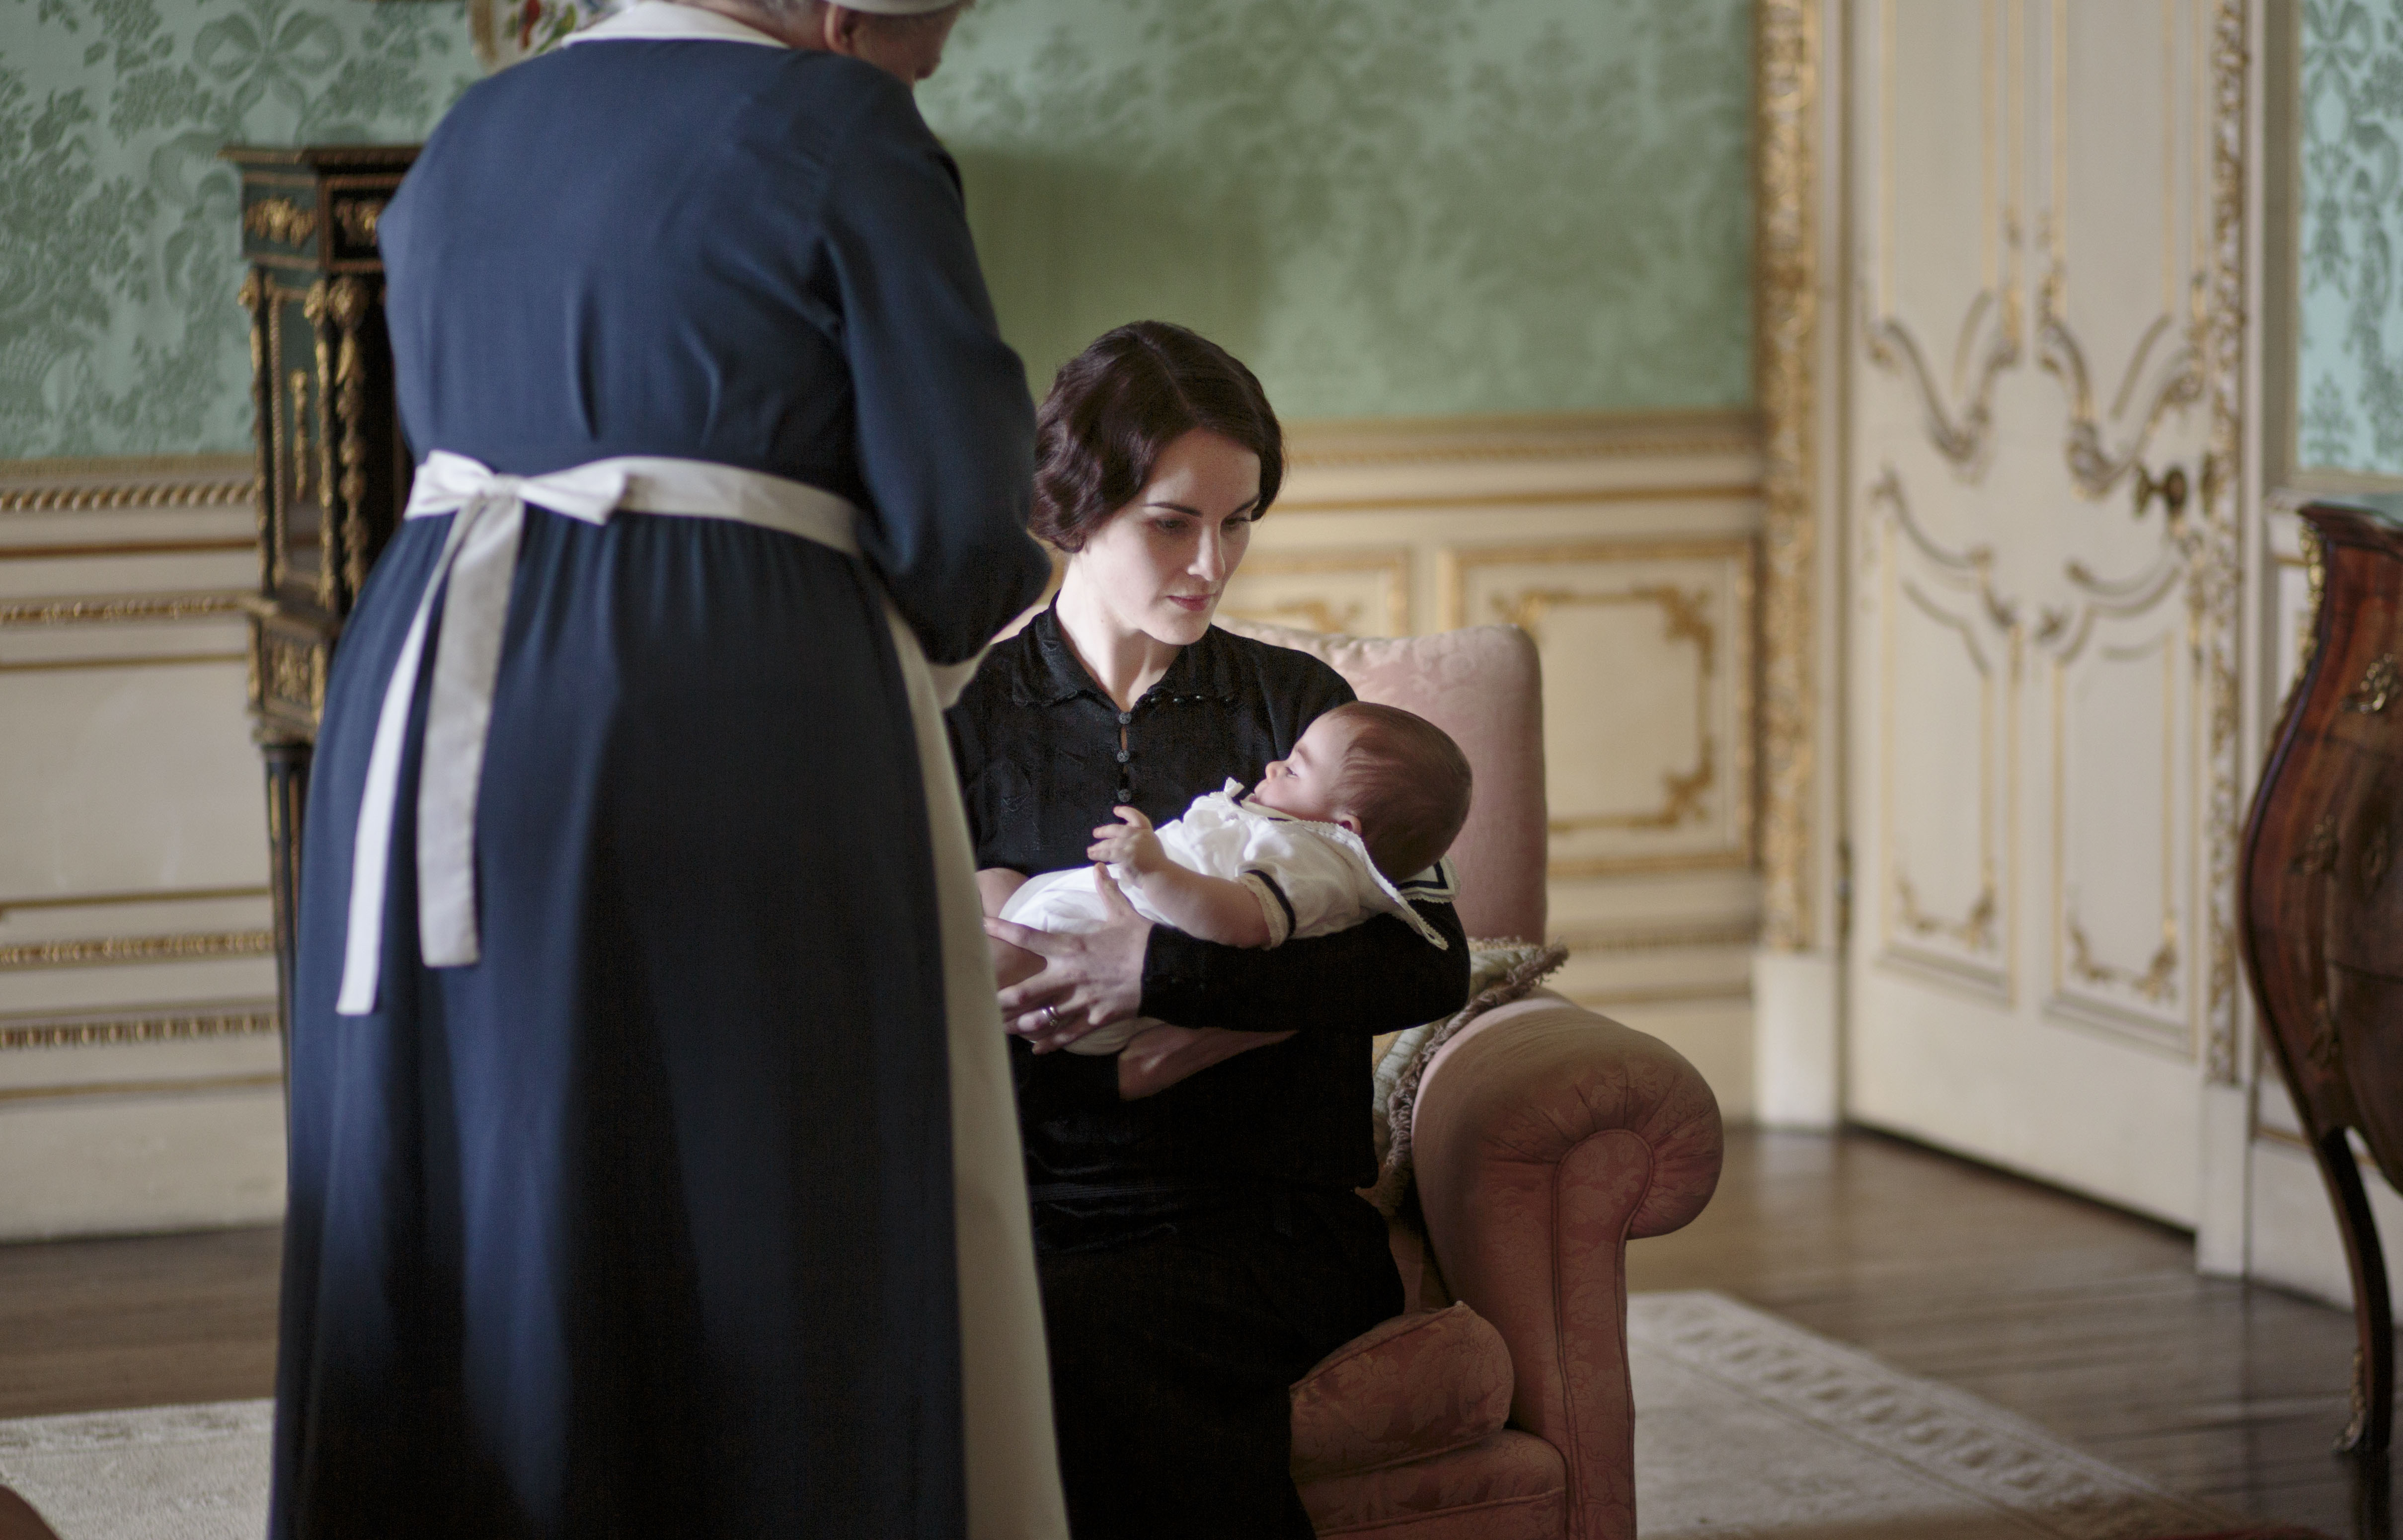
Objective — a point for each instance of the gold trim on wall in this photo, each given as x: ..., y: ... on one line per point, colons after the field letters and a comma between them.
x: 1964, y: 437
x: 2155, y: 982
x: 1665, y: 994
x: 182, y: 494
x: 1454, y: 563
x: 196, y: 1086
x: 1685, y: 617
x: 122, y: 547
x: 1316, y: 614
x: 2219, y: 575
x: 158, y: 1025
x: 1469, y: 501
x: 1562, y: 436
x: 1606, y: 939
x: 124, y: 900
x: 1977, y: 928
x: 118, y: 608
x: 104, y: 951
x: 1785, y: 327
x: 142, y: 660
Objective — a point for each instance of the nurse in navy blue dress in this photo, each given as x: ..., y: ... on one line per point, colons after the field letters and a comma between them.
x: 686, y: 1200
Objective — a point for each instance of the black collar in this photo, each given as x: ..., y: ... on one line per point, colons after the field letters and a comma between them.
x: 1049, y: 673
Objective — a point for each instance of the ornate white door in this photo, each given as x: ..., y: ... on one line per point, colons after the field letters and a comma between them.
x: 2042, y: 389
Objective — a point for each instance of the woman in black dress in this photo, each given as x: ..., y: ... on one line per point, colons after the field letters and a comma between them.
x: 1198, y: 1238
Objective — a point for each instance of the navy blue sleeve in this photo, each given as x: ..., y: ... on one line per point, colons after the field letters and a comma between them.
x: 946, y: 430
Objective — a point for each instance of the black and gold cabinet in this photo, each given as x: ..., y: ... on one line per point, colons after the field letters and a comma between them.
x: 333, y: 473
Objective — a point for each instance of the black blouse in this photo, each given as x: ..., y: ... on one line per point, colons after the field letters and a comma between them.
x: 1044, y: 754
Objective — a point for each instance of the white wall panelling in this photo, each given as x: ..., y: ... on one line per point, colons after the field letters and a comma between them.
x: 2044, y: 257
x: 140, y: 1070
x: 139, y: 1065
x: 1627, y: 546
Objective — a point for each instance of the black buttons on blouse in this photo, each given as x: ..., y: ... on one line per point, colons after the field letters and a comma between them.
x: 1126, y: 792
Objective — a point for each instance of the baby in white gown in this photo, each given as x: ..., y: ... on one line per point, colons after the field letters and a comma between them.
x: 1369, y: 799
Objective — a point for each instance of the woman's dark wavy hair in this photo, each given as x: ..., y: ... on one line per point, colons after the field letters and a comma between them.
x: 1116, y: 408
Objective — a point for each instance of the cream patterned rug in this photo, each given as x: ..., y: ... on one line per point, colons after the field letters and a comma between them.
x: 1748, y: 1429
x: 162, y: 1473
x: 1749, y: 1426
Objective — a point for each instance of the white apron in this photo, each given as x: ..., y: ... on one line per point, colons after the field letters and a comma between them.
x: 1012, y: 1468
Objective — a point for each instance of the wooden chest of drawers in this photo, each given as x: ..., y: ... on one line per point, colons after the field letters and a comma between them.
x: 2322, y: 901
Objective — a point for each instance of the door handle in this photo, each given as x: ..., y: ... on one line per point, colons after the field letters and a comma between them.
x: 2169, y: 487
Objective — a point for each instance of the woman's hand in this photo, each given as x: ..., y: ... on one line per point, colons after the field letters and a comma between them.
x: 1129, y: 842
x: 1086, y: 981
x: 1161, y: 1056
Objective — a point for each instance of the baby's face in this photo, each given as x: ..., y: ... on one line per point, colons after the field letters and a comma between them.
x: 1303, y: 785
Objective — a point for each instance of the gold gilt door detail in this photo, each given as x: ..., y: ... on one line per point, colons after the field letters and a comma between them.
x: 2044, y: 256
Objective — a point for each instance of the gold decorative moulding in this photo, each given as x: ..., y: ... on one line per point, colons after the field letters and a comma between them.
x: 280, y: 220
x: 356, y: 219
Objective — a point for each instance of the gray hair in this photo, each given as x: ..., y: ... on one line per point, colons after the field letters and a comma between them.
x: 808, y: 10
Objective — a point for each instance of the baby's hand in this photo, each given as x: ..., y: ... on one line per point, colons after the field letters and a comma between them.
x: 1129, y: 842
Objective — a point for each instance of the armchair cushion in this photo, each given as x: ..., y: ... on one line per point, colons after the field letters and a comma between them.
x: 1506, y: 1485
x: 1414, y: 1386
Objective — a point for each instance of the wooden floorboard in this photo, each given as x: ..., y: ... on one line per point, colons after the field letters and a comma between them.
x: 85, y: 1326
x: 2087, y: 1321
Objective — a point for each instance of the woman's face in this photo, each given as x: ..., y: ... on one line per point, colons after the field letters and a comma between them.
x: 1159, y: 564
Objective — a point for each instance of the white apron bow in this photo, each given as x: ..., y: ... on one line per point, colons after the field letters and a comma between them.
x: 479, y: 558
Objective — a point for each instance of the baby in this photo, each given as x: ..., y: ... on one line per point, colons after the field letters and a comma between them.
x: 1370, y: 797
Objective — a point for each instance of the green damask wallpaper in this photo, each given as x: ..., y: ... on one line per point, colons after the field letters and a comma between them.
x: 118, y: 255
x: 1387, y: 206
x: 2349, y: 369
x: 1384, y: 206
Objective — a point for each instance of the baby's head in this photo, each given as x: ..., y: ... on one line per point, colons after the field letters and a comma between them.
x: 1395, y: 780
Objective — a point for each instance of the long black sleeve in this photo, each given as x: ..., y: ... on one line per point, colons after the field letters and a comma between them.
x: 1377, y: 976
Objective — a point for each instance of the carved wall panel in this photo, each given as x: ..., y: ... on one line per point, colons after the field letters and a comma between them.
x: 1949, y: 752
x: 138, y: 1051
x: 1628, y: 547
x: 1648, y: 668
x: 2044, y: 423
x: 2121, y: 916
x: 1355, y: 592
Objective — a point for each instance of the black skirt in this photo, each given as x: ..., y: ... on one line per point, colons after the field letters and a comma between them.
x: 1174, y: 1336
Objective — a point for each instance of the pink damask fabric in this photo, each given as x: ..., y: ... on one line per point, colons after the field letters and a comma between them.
x: 1546, y: 1138
x: 1508, y: 1486
x: 1413, y: 1386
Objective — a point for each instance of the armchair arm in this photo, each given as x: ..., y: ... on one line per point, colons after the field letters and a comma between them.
x: 1544, y: 1137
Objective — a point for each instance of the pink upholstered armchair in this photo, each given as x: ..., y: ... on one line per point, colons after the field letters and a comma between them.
x: 1544, y: 1138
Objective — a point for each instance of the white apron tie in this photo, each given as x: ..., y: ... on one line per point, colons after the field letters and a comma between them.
x: 1013, y: 1475
x: 479, y: 558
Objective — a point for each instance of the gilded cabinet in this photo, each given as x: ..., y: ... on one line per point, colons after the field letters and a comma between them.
x: 333, y: 473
